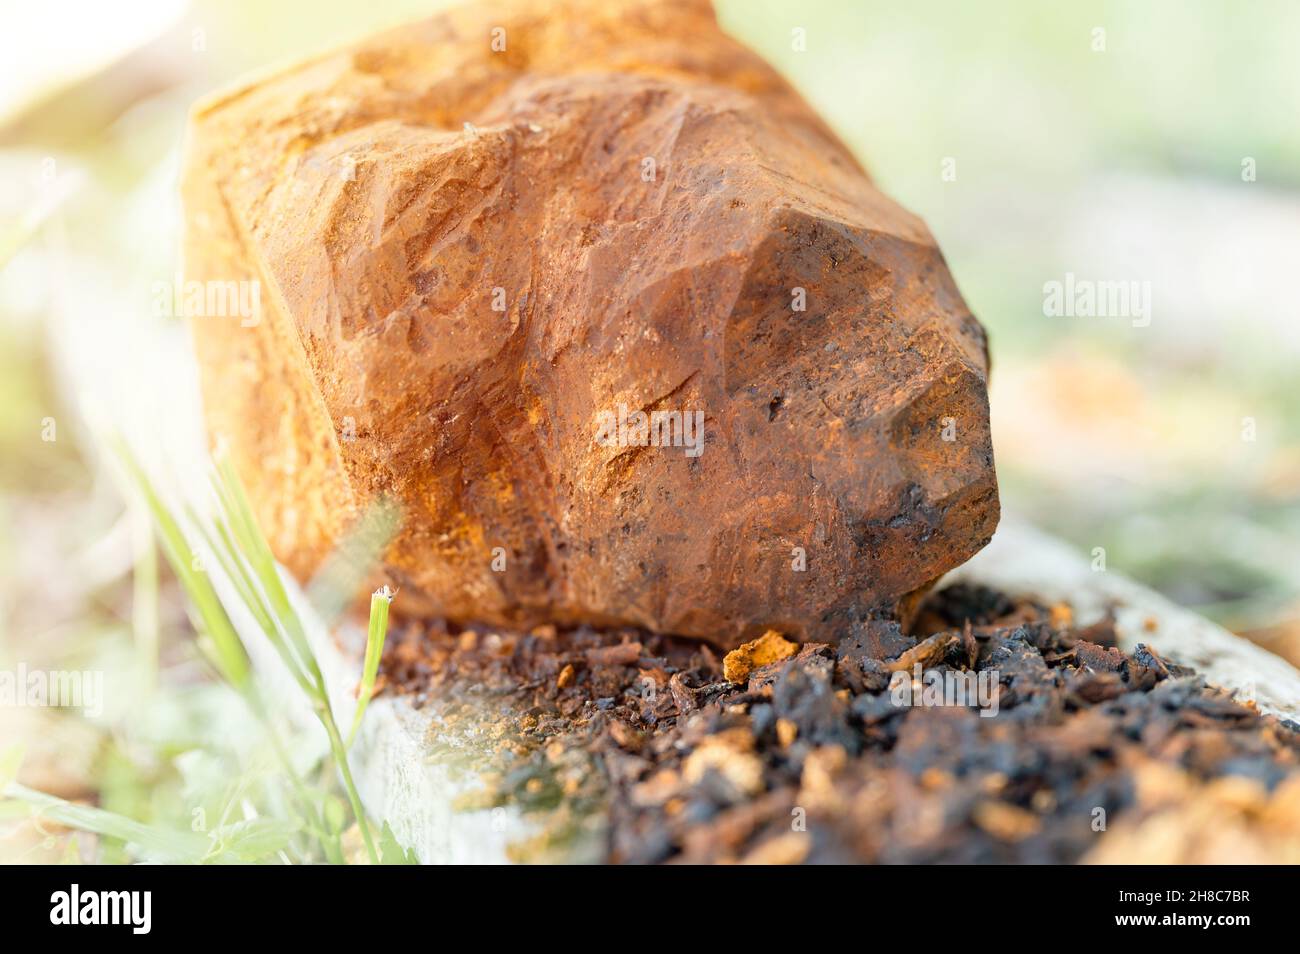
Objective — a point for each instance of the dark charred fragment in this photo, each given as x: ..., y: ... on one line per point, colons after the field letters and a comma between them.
x: 1089, y: 655
x: 861, y: 657
x: 955, y: 606
x: 1024, y: 673
x: 875, y: 639
x: 1101, y: 633
x: 804, y: 696
x: 1164, y: 669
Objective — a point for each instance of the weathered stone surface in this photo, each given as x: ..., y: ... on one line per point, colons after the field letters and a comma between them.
x: 471, y: 259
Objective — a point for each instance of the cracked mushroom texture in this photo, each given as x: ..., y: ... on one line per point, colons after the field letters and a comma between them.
x: 481, y: 236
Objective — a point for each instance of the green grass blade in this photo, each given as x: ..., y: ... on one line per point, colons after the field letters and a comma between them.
x: 254, y: 548
x: 379, y: 603
x: 257, y: 551
x: 245, y: 557
x: 176, y: 846
x: 206, y: 611
x: 240, y: 576
x: 391, y: 851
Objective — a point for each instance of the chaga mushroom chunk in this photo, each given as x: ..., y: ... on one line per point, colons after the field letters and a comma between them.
x: 597, y: 299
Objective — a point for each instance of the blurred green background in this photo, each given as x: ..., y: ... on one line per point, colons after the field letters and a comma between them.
x: 1037, y: 139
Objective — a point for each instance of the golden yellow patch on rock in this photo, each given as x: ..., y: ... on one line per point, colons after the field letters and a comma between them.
x: 768, y: 648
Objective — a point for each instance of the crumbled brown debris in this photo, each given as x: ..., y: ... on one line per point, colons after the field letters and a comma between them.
x: 1091, y: 754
